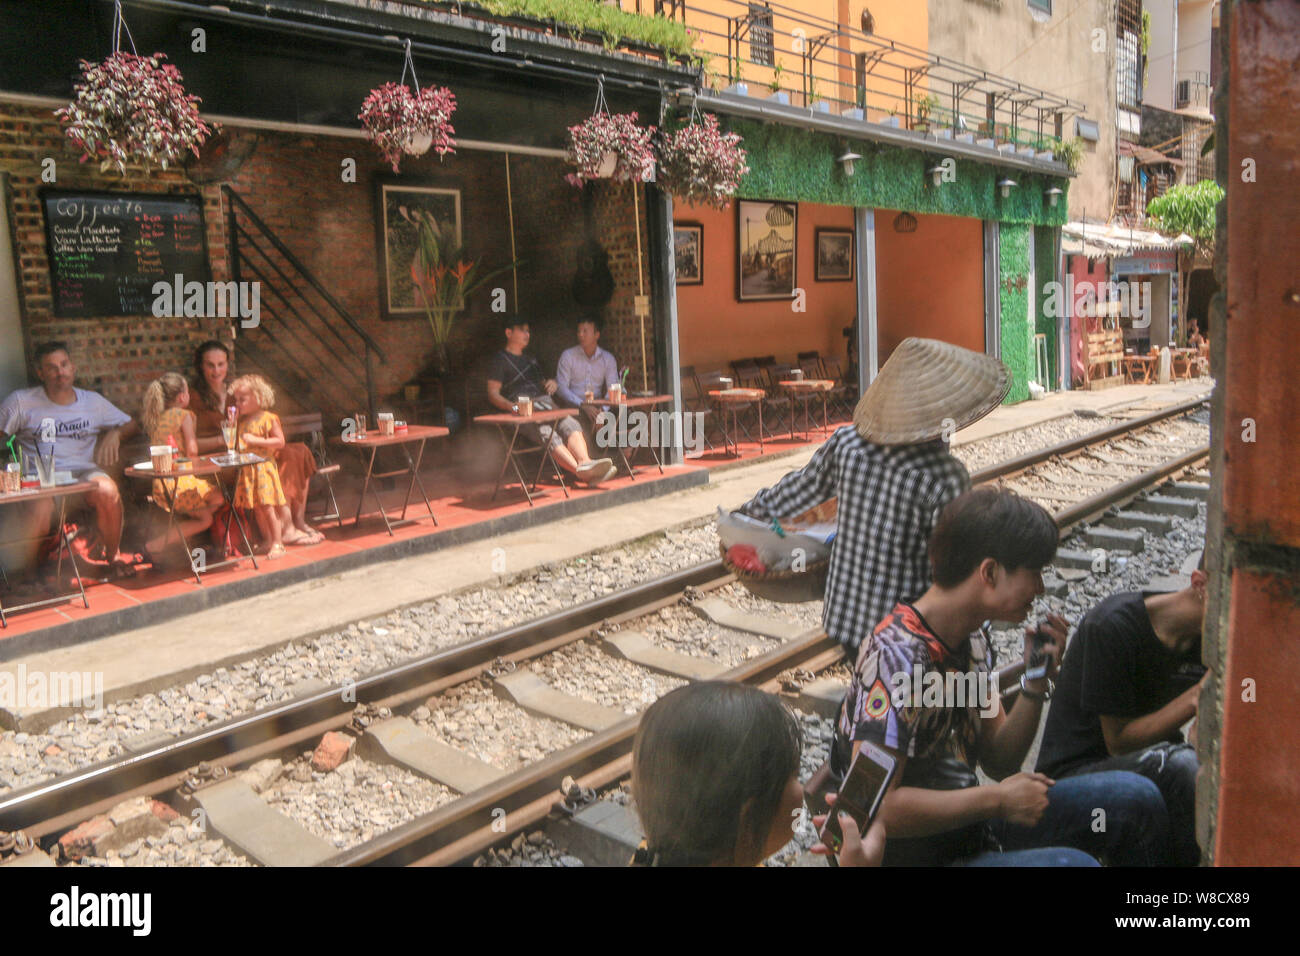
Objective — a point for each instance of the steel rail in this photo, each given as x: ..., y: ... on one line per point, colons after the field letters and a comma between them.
x: 1032, y: 458
x: 41, y: 808
x: 1080, y: 511
x: 467, y: 823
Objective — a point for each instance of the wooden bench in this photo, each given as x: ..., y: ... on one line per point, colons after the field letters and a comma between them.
x: 312, y: 429
x: 1103, y: 357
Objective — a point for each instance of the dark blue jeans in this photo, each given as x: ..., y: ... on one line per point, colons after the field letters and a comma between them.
x: 1172, y: 768
x: 1114, y: 816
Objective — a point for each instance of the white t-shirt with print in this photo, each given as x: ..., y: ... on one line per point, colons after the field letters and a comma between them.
x: 76, y: 427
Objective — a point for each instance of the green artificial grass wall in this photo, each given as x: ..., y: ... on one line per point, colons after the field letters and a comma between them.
x: 1013, y: 296
x: 1044, y: 272
x: 797, y: 164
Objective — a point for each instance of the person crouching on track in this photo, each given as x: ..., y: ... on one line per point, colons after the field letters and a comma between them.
x: 892, y: 473
x: 1131, y: 678
x: 987, y: 554
x: 715, y: 778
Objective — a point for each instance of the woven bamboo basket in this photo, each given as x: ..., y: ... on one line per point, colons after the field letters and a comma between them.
x: 790, y: 587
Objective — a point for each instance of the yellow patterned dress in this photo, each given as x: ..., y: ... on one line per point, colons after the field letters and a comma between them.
x: 190, y: 491
x: 258, y: 484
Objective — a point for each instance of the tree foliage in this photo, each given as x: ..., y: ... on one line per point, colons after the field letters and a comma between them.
x: 1188, y: 209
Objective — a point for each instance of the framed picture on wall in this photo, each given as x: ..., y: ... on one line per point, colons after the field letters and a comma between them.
x: 766, y: 234
x: 834, y: 255
x: 402, y: 209
x: 688, y: 252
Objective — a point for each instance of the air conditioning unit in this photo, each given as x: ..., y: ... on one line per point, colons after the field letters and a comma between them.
x: 1184, y: 94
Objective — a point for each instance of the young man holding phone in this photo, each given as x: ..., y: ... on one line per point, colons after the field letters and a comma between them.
x: 1131, y: 679
x: 987, y: 553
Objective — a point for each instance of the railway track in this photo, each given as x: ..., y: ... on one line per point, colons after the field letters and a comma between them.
x: 482, y: 804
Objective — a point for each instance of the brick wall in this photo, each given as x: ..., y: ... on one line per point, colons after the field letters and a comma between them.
x: 117, y: 355
x: 294, y: 184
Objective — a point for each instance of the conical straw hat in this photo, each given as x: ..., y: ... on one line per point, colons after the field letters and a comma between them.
x: 928, y: 389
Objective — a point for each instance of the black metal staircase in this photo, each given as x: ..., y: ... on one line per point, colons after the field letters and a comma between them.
x: 307, y: 344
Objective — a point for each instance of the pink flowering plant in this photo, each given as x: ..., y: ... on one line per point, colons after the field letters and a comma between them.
x: 133, y: 110
x: 618, y: 134
x: 400, y: 122
x: 701, y: 164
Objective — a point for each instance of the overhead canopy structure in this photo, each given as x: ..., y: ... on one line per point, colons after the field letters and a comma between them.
x: 1098, y: 241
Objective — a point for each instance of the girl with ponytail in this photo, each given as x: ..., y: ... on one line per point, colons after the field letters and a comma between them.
x: 168, y: 420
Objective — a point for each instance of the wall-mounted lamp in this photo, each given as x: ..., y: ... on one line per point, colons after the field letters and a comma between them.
x: 935, y: 173
x: 1006, y: 185
x: 846, y: 160
x: 1053, y: 195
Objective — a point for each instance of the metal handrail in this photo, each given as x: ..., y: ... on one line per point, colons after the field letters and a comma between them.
x: 815, y: 52
x: 371, y: 347
x: 302, y: 345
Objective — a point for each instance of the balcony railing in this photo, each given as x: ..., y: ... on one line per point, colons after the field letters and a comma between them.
x: 777, y: 49
x: 814, y: 62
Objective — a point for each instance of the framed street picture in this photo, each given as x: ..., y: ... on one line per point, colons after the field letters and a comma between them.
x: 834, y: 255
x: 765, y: 249
x: 688, y: 252
x: 401, y: 210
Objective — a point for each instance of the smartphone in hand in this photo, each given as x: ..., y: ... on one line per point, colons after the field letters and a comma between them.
x: 860, y: 795
x: 1036, y: 669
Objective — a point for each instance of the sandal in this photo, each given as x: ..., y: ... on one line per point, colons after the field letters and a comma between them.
x: 277, y: 551
x: 119, y: 570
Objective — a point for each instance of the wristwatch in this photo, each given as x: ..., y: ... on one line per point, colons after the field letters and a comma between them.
x: 1035, y: 695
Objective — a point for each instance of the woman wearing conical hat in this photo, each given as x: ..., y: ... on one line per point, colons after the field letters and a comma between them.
x: 892, y: 473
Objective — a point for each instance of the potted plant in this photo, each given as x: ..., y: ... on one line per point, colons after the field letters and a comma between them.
x: 404, y: 123
x: 608, y: 146
x: 133, y: 110
x: 443, y: 280
x: 702, y: 164
x: 925, y: 107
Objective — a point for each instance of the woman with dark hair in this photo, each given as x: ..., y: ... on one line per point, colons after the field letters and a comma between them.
x: 715, y: 777
x: 296, y: 464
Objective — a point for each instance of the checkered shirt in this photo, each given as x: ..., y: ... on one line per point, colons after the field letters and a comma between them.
x: 889, y: 498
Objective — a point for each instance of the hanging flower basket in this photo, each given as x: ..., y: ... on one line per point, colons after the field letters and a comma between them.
x: 701, y: 164
x: 596, y: 139
x: 402, y: 123
x: 133, y: 110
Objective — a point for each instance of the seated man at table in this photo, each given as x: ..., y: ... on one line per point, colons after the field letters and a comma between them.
x: 585, y: 367
x: 87, y: 430
x: 512, y: 375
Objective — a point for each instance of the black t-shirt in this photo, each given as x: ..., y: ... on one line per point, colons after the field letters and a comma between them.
x: 1115, y: 665
x: 518, y: 375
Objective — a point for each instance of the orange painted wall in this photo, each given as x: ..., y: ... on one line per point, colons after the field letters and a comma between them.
x: 930, y: 282
x: 714, y: 328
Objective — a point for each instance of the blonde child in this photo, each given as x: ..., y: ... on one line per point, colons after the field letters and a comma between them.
x: 259, y: 432
x: 166, y: 415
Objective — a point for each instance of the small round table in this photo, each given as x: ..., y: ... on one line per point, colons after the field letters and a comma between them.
x: 731, y: 401
x: 805, y: 389
x: 203, y: 467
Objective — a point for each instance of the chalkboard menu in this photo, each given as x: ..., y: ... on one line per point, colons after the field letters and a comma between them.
x: 108, y: 249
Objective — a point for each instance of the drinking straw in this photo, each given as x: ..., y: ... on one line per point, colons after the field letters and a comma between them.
x: 13, y: 452
x: 623, y: 378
